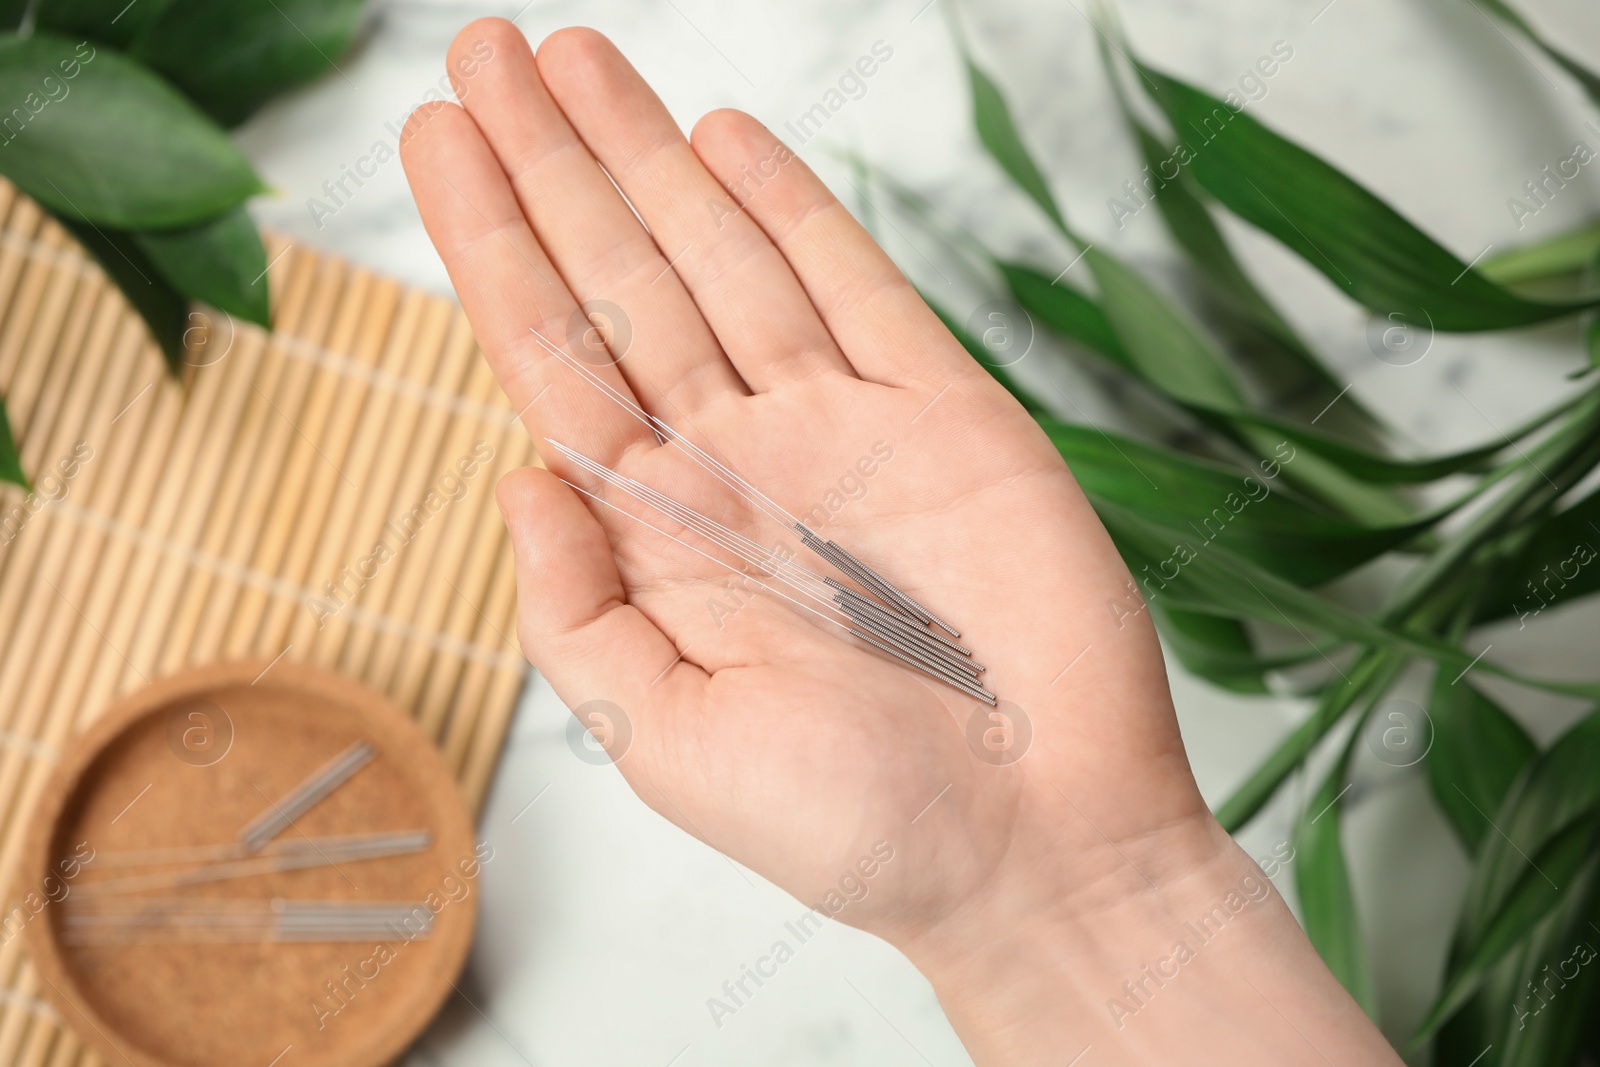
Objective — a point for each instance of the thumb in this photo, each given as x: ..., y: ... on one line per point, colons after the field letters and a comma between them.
x: 574, y: 621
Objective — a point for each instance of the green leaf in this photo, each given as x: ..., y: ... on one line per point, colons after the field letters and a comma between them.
x: 115, y: 22
x: 164, y: 310
x: 1065, y: 310
x: 1367, y: 678
x: 1478, y: 751
x: 1559, y: 789
x: 1387, y: 470
x: 1079, y: 317
x: 1581, y: 74
x: 1166, y: 346
x: 1365, y: 247
x: 1560, y: 563
x: 998, y: 133
x: 1213, y: 648
x: 1533, y: 896
x: 1213, y: 504
x: 1547, y: 1028
x: 1208, y: 577
x: 1565, y: 253
x: 220, y: 262
x: 10, y: 460
x: 1557, y: 793
x: 11, y: 14
x: 107, y: 141
x: 232, y: 57
x: 1189, y: 221
x: 1322, y: 880
x: 1162, y: 343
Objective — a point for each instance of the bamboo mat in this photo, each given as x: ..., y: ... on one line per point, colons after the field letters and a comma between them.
x: 239, y: 513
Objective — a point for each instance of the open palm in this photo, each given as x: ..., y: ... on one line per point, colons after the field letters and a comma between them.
x: 769, y: 328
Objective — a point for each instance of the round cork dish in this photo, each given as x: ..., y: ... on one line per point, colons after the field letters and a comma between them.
x: 160, y: 788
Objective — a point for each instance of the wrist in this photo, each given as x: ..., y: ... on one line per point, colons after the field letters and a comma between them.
x: 1182, y: 950
x: 1024, y: 969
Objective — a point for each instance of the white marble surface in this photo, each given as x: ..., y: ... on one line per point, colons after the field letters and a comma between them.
x: 604, y: 929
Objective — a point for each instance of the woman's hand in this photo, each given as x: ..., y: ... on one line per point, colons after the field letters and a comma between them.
x: 750, y: 312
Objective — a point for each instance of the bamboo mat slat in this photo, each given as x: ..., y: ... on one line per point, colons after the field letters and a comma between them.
x: 322, y: 492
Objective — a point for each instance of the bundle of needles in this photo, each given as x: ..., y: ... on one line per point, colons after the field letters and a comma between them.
x: 878, y: 613
x: 110, y: 911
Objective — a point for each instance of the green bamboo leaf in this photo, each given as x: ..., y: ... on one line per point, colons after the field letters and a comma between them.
x: 1189, y: 221
x: 1322, y: 880
x: 1325, y: 480
x: 1207, y: 577
x: 1558, y: 790
x: 219, y: 262
x: 1162, y: 343
x: 1364, y: 681
x: 1214, y: 648
x: 1559, y: 564
x: 1164, y: 347
x: 1065, y: 310
x: 1249, y: 511
x: 85, y: 149
x: 1204, y: 488
x: 1564, y: 254
x: 1203, y: 576
x: 1479, y: 1022
x: 1554, y: 984
x: 1478, y: 751
x: 232, y: 57
x: 10, y: 460
x: 165, y: 310
x: 1567, y: 857
x: 11, y: 14
x: 1379, y: 469
x: 1167, y: 347
x: 1364, y: 246
x: 1555, y: 791
x: 115, y: 22
x: 1079, y: 317
x: 999, y: 134
x: 1581, y: 74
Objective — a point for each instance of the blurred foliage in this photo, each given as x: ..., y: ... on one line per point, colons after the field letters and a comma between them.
x: 112, y: 117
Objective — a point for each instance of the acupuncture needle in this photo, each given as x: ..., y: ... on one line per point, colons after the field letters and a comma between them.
x: 873, y: 606
x: 399, y: 844
x: 721, y: 563
x: 829, y: 550
x: 887, y: 644
x: 729, y: 540
x: 233, y: 850
x: 280, y: 816
x: 927, y: 644
x: 887, y: 648
x: 719, y: 470
x: 148, y: 919
x: 862, y: 613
